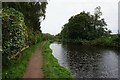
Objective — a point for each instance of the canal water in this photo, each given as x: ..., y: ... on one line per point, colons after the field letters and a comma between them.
x: 87, y: 61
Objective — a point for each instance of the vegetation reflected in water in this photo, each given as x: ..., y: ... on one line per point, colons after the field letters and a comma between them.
x: 86, y: 61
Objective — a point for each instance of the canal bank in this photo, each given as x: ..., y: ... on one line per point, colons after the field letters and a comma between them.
x: 51, y: 67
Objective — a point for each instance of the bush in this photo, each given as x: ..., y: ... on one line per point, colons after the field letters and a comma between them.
x: 105, y: 41
x: 14, y: 35
x: 34, y: 37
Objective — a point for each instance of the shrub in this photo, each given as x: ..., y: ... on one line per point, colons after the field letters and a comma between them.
x: 14, y: 35
x: 34, y: 37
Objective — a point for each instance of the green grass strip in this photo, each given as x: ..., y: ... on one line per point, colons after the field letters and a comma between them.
x: 18, y: 68
x: 51, y: 67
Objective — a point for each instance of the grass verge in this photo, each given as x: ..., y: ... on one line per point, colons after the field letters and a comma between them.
x: 17, y: 69
x: 51, y: 67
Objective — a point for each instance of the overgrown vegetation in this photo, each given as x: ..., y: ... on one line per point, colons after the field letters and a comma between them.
x: 18, y: 66
x: 51, y: 67
x: 58, y: 38
x: 88, y: 29
x: 20, y: 29
x: 111, y: 41
x: 47, y: 36
x: 14, y: 34
x: 85, y: 26
x: 34, y: 13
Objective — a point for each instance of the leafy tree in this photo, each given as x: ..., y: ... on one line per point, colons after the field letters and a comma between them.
x: 32, y: 11
x: 85, y: 26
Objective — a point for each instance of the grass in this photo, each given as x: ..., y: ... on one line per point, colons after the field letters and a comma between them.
x: 51, y: 67
x: 17, y: 69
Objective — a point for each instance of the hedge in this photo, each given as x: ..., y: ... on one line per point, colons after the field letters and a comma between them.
x: 14, y: 33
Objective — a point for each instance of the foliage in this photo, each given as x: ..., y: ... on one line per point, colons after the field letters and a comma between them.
x: 103, y: 41
x: 116, y: 40
x: 106, y: 41
x: 33, y: 12
x: 34, y: 37
x: 21, y: 26
x: 14, y: 35
x: 109, y: 41
x: 58, y: 37
x: 47, y: 36
x: 17, y: 69
x: 85, y: 26
x: 51, y: 67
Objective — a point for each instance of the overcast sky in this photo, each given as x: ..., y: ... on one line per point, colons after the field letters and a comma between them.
x: 59, y: 11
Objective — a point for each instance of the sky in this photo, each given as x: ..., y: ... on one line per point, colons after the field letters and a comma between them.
x: 59, y: 11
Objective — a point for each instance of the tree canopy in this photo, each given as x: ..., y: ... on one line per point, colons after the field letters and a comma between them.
x: 33, y: 12
x: 85, y: 26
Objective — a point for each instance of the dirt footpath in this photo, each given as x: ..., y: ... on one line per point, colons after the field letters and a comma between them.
x: 35, y: 64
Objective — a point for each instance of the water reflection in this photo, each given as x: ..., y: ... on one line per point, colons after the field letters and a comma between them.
x: 87, y: 62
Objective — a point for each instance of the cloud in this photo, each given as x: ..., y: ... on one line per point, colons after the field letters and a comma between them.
x: 59, y: 11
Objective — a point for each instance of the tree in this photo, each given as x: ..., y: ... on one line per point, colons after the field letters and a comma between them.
x: 32, y: 11
x: 85, y: 26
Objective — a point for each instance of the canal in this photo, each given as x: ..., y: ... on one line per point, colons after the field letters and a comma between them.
x: 87, y: 61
